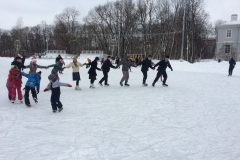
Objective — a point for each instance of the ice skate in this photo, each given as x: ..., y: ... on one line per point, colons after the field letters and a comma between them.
x: 100, y: 84
x: 35, y: 99
x: 92, y: 86
x: 54, y: 111
x: 121, y: 84
x: 153, y: 84
x: 164, y: 85
x: 28, y: 105
x: 60, y: 109
x: 144, y: 85
x: 12, y: 101
x: 106, y: 85
x: 127, y: 85
x: 78, y: 88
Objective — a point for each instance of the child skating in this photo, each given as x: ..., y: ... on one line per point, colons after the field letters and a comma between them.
x: 54, y: 86
x: 33, y: 85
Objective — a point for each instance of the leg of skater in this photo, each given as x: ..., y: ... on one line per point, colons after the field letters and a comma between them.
x: 26, y: 96
x: 13, y: 94
x: 20, y: 96
x: 164, y: 78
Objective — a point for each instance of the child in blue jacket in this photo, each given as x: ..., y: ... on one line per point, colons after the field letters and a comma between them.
x: 32, y: 84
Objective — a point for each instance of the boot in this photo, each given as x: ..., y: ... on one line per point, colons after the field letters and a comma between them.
x: 126, y: 84
x: 144, y: 85
x: 164, y: 85
x: 92, y: 86
x: 77, y: 87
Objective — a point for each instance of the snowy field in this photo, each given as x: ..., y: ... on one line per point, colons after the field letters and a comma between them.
x: 195, y: 118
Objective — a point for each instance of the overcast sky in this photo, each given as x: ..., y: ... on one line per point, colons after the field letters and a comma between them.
x: 34, y: 11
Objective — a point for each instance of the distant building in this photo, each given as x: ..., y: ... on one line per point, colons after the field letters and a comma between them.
x: 228, y: 39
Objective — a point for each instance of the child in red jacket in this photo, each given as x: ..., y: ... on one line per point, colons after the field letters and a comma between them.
x: 15, y: 78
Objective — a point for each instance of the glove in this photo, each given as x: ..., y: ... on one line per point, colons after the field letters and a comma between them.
x: 172, y: 70
x: 45, y: 90
x: 69, y: 85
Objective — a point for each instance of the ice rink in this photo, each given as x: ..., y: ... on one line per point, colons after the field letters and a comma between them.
x: 195, y: 118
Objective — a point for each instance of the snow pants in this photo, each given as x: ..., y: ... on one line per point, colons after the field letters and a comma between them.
x: 26, y: 95
x: 144, y: 76
x: 9, y: 92
x: 230, y: 70
x: 105, y: 78
x: 161, y: 72
x: 13, y: 93
x: 125, y: 76
x: 55, y: 101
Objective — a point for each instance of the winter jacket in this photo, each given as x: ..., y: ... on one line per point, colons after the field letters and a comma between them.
x: 74, y: 67
x: 15, y: 78
x: 33, y: 80
x: 33, y: 68
x: 19, y: 65
x: 23, y: 61
x: 55, y: 87
x: 107, y: 65
x: 232, y: 62
x: 56, y: 67
x: 92, y: 70
x: 163, y: 65
x: 125, y: 64
x: 146, y: 64
x: 58, y: 59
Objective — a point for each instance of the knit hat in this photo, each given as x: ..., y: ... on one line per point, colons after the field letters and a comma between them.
x: 52, y: 77
x: 109, y: 57
x: 16, y: 58
x: 150, y: 56
x: 96, y: 58
x: 34, y: 60
x: 166, y: 56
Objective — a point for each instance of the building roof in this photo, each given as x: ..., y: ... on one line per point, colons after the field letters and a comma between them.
x: 231, y: 23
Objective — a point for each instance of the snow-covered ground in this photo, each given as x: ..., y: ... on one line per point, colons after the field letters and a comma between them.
x: 195, y: 118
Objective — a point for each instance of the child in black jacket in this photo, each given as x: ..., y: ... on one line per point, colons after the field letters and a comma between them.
x: 54, y: 86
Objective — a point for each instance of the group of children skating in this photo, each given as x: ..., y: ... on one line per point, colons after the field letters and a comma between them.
x: 14, y: 81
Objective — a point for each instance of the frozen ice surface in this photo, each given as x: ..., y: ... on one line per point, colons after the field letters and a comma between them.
x: 195, y: 118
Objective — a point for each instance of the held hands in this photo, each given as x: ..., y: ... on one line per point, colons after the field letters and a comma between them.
x: 69, y: 85
x: 45, y: 90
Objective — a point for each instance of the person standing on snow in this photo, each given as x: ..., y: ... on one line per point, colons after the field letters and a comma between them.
x: 54, y: 86
x: 33, y: 84
x: 232, y: 64
x: 75, y: 68
x: 106, y: 68
x: 33, y: 66
x: 163, y: 64
x: 56, y: 67
x: 15, y: 78
x: 92, y: 71
x: 126, y: 63
x: 18, y: 62
x: 147, y: 63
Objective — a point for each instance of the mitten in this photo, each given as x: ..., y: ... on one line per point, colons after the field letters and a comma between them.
x: 45, y: 90
x: 69, y: 85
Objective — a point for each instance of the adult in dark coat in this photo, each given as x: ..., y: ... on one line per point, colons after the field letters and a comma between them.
x: 92, y: 71
x: 58, y: 58
x: 18, y: 62
x: 147, y: 63
x: 163, y: 64
x: 232, y: 64
x: 106, y: 68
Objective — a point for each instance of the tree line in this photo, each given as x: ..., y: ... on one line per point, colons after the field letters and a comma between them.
x: 121, y: 28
